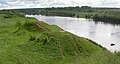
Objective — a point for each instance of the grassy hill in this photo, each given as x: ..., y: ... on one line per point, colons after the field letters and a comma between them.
x: 29, y: 41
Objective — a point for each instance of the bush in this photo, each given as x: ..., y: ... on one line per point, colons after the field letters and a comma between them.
x: 32, y: 38
x: 8, y: 16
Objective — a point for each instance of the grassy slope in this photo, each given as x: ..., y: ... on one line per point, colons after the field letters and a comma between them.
x: 23, y: 42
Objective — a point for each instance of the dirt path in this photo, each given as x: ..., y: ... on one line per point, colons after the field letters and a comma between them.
x: 41, y: 26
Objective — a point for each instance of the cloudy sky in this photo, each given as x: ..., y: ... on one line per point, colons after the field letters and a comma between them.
x: 8, y: 4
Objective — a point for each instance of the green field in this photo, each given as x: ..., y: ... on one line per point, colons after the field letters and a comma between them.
x: 29, y: 41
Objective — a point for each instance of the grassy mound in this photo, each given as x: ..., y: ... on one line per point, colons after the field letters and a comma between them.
x: 29, y: 41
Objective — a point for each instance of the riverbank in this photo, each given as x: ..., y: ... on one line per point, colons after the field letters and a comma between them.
x: 29, y: 41
x: 110, y: 15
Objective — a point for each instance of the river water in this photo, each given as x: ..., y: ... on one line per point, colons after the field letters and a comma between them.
x: 103, y: 33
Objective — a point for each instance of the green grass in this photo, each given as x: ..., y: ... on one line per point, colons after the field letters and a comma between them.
x: 23, y: 42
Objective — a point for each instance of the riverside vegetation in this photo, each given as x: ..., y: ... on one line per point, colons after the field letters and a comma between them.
x: 111, y: 15
x: 25, y: 40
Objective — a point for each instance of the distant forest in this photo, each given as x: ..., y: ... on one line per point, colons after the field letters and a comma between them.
x: 111, y: 15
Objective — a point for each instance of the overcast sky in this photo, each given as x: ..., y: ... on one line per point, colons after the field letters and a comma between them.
x: 8, y: 4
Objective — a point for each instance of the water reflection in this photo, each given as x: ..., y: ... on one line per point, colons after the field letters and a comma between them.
x: 100, y: 32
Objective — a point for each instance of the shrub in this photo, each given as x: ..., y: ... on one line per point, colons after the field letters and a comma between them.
x: 32, y: 38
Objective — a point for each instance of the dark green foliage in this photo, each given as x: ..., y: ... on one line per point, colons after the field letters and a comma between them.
x: 11, y: 13
x: 111, y: 15
x: 32, y: 27
x: 85, y: 7
x: 32, y: 38
x: 87, y: 16
x: 8, y: 16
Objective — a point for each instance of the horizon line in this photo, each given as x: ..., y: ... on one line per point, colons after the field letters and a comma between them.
x: 59, y: 7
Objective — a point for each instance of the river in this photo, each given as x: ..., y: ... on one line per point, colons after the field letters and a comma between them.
x: 104, y: 34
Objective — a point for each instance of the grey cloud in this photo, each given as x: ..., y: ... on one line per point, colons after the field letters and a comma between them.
x: 57, y: 3
x: 74, y: 2
x: 40, y: 3
x: 108, y: 2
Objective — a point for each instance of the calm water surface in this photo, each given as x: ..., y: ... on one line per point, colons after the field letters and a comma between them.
x: 100, y: 32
